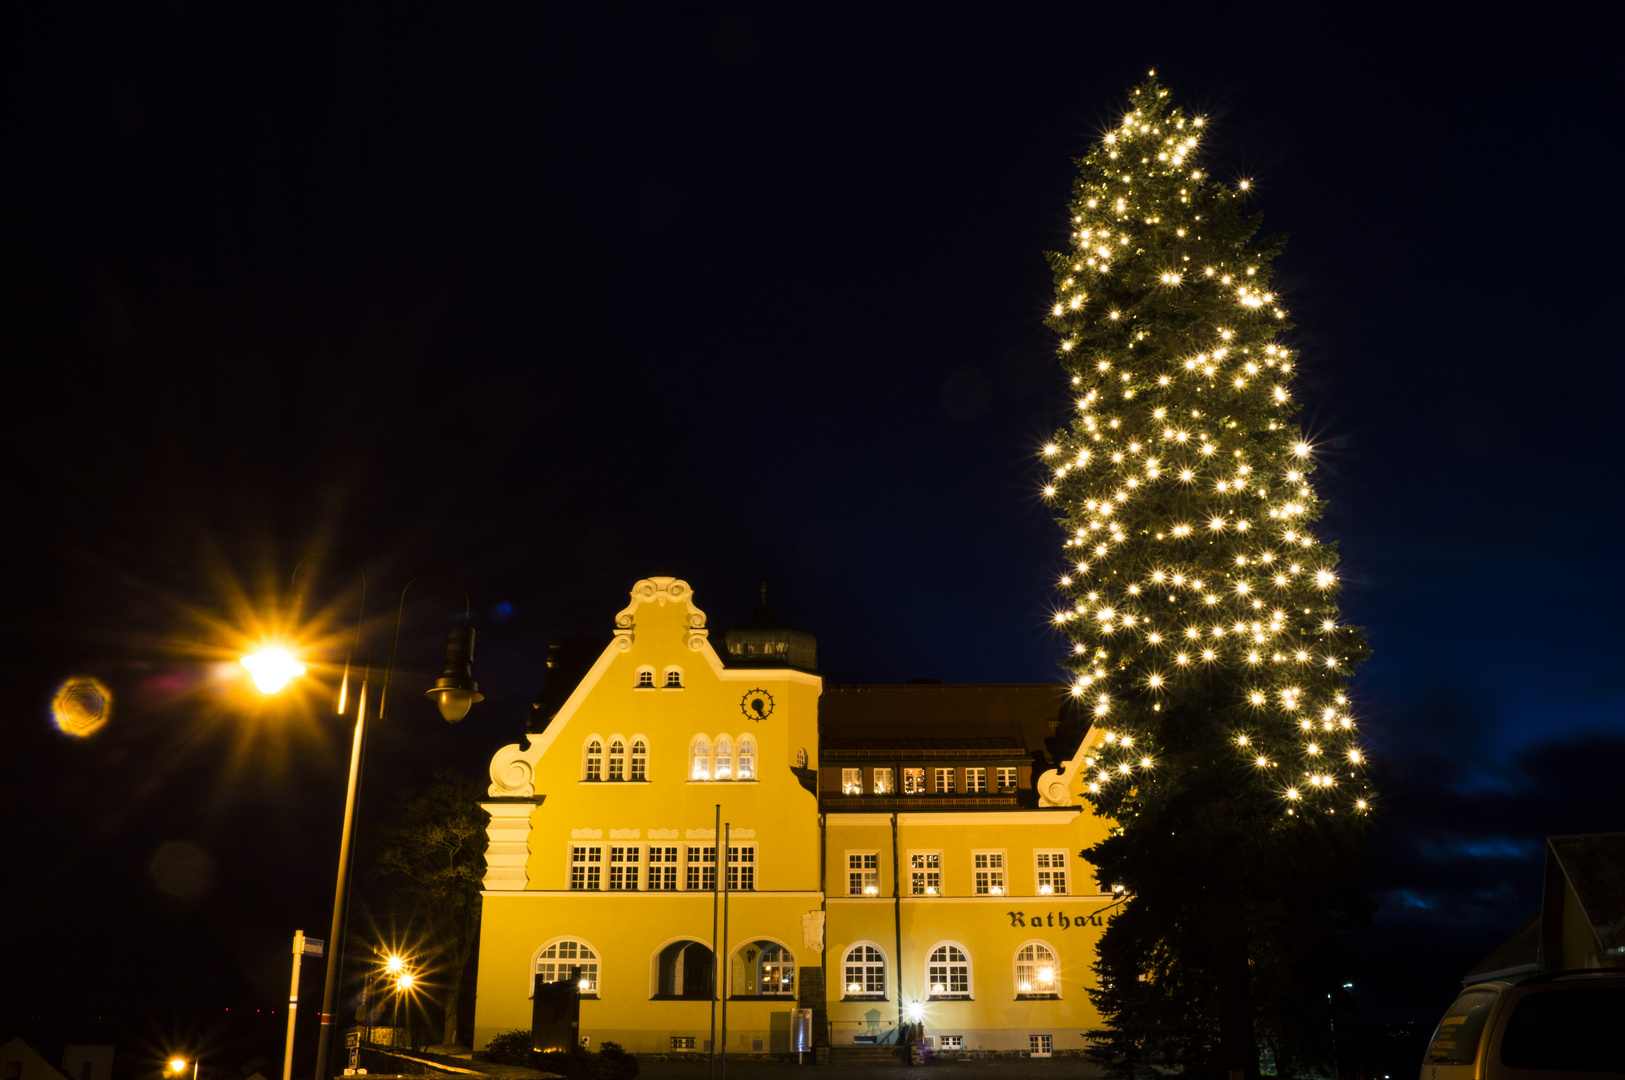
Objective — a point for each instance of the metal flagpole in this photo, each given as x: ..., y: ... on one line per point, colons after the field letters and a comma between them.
x: 727, y: 971
x: 715, y: 836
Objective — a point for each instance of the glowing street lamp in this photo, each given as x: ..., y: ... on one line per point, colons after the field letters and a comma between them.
x: 271, y: 669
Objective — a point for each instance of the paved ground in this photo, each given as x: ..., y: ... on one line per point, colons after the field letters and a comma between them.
x: 985, y: 1069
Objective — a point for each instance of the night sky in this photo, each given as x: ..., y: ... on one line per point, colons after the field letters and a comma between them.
x: 558, y: 297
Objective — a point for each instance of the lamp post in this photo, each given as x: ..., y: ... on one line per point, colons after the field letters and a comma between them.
x: 455, y: 692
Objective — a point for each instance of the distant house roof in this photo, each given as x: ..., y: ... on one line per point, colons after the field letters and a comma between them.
x: 1517, y: 955
x: 1594, y: 866
x: 921, y: 716
x: 1590, y: 869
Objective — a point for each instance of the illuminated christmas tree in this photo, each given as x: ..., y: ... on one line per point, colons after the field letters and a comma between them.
x: 1201, y: 603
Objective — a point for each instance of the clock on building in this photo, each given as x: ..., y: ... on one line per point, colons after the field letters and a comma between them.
x: 758, y: 704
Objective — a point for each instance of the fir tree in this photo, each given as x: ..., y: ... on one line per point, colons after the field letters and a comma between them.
x: 1202, y: 608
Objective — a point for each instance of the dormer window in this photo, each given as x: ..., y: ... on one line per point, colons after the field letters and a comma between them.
x: 646, y: 679
x: 674, y: 678
x: 617, y: 760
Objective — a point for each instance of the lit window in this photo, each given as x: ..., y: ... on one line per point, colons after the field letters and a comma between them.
x: 864, y: 972
x: 682, y: 1042
x: 617, y: 760
x: 988, y: 868
x: 623, y: 868
x: 976, y: 781
x: 1051, y: 873
x: 1007, y: 778
x: 851, y: 781
x: 925, y: 873
x: 882, y: 782
x: 862, y: 874
x: 948, y: 972
x: 742, y: 867
x: 646, y: 679
x: 556, y: 962
x: 702, y: 868
x: 945, y: 782
x: 586, y: 863
x: 776, y: 969
x: 640, y: 760
x: 913, y: 781
x: 595, y: 760
x: 1037, y: 972
x: 674, y: 679
x: 663, y: 868
x: 725, y: 759
x: 700, y: 759
x: 747, y: 758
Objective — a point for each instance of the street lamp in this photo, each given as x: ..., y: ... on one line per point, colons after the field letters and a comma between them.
x: 455, y: 692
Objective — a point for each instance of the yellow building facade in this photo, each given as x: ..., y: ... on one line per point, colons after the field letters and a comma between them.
x: 895, y: 859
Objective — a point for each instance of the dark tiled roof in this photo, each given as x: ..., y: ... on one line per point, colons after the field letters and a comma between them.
x: 908, y: 716
x: 1517, y: 955
x: 1595, y: 867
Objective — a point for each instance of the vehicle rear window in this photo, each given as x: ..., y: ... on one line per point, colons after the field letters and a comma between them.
x: 1569, y: 1028
x: 1456, y: 1040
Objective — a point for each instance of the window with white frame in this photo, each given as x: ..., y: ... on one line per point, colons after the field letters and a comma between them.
x: 976, y: 781
x: 640, y: 760
x: 699, y: 755
x: 950, y: 1042
x: 988, y: 872
x: 913, y: 781
x: 741, y: 867
x: 594, y: 768
x: 925, y: 873
x: 1051, y: 872
x: 674, y: 678
x: 725, y: 759
x: 945, y: 782
x: 682, y: 1042
x: 801, y: 758
x: 1038, y: 974
x: 863, y: 972
x: 586, y: 865
x: 862, y: 873
x: 1007, y: 777
x: 624, y: 865
x: 947, y: 972
x: 617, y: 759
x: 646, y: 679
x: 777, y: 971
x: 851, y: 781
x: 662, y: 867
x: 1040, y: 1045
x: 555, y: 963
x: 746, y: 768
x: 882, y: 783
x: 702, y: 868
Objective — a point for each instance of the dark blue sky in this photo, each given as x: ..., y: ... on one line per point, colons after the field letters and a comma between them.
x: 557, y: 298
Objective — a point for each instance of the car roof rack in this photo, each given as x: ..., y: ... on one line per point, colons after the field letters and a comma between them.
x: 1553, y: 976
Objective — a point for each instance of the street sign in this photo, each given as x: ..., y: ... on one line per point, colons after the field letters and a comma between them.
x: 314, y: 946
x: 352, y: 1039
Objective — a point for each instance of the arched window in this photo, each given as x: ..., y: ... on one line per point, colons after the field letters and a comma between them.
x: 646, y: 679
x: 555, y: 962
x: 640, y: 760
x: 1037, y: 973
x: 617, y: 760
x: 684, y: 969
x: 725, y: 758
x: 863, y: 972
x: 747, y: 758
x: 778, y: 969
x: 595, y: 761
x: 700, y: 759
x: 801, y: 758
x: 947, y: 973
x: 674, y: 678
x: 762, y: 969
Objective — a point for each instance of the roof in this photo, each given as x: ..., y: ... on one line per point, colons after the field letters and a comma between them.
x: 1594, y: 865
x: 904, y: 716
x: 1517, y: 955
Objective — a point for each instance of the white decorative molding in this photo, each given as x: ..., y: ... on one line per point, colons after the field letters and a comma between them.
x: 512, y: 774
x: 659, y: 590
x: 742, y: 834
x: 586, y: 834
x: 623, y: 641
x: 623, y: 834
x: 662, y: 834
x: 697, y: 639
x: 508, y: 847
x: 812, y: 930
x: 700, y: 834
x: 1055, y: 786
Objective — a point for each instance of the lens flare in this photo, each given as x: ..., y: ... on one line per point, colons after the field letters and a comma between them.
x: 81, y: 706
x: 272, y: 668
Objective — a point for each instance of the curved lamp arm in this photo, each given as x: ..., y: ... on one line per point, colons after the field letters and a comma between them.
x: 456, y: 687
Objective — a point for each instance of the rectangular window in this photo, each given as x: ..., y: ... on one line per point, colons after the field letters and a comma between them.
x: 851, y: 781
x: 945, y: 782
x: 586, y: 863
x: 862, y: 873
x: 925, y: 873
x: 913, y: 781
x: 682, y: 1042
x: 951, y: 1042
x: 1007, y: 778
x: 640, y: 760
x: 976, y: 781
x: 1041, y: 1045
x: 702, y: 868
x: 988, y: 867
x: 623, y: 867
x: 1051, y: 872
x: 882, y: 782
x: 742, y: 867
x: 663, y: 868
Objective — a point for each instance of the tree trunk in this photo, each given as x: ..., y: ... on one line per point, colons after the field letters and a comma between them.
x: 1238, y: 1039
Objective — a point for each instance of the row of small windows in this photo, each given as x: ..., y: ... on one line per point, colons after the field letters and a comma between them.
x: 620, y: 764
x: 723, y: 760
x: 944, y: 781
x: 672, y: 680
x: 767, y: 969
x: 659, y: 867
x: 988, y: 876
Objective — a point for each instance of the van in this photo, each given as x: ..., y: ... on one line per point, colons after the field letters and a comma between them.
x: 1559, y: 1025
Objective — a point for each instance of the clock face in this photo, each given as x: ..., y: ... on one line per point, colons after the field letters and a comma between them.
x: 758, y: 704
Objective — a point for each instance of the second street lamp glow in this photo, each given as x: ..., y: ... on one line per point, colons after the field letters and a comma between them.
x: 271, y: 669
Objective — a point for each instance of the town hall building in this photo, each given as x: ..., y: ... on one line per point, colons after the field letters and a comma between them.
x: 892, y: 858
